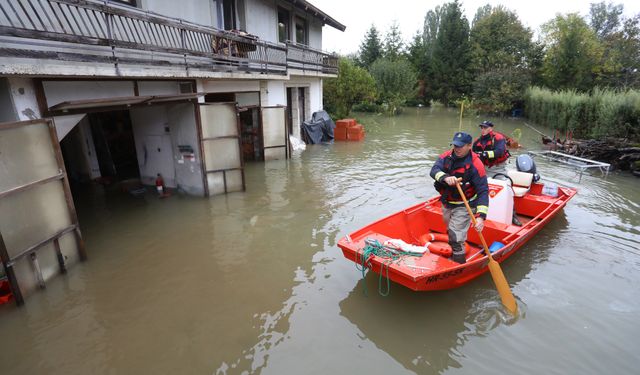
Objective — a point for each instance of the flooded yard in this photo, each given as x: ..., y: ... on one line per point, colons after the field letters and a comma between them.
x: 253, y: 282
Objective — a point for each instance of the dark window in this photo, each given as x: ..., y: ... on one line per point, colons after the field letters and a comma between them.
x: 283, y: 25
x: 229, y: 11
x: 301, y: 31
x: 126, y: 2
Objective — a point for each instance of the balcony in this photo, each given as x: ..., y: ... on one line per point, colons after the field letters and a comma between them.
x: 121, y: 38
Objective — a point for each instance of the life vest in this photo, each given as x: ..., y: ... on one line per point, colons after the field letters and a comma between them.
x: 490, y: 146
x: 437, y: 243
x: 450, y: 193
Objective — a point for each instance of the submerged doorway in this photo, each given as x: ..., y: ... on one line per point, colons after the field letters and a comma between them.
x: 252, y: 143
x: 115, y: 145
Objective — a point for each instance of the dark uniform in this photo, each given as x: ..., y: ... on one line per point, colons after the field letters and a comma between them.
x: 475, y: 188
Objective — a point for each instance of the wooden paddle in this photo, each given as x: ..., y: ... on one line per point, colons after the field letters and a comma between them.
x: 494, y: 267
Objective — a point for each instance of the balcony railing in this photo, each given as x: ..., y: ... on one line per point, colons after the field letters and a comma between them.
x: 305, y: 58
x: 90, y: 31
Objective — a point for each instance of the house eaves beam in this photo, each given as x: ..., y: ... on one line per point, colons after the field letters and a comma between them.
x: 307, y: 7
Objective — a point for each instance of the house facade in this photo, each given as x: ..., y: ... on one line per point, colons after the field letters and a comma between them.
x: 188, y: 91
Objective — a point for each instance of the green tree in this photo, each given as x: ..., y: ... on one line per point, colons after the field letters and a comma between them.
x: 352, y: 85
x: 502, y: 51
x: 395, y: 81
x: 481, y: 13
x: 370, y: 48
x: 573, y: 53
x: 605, y: 18
x: 393, y: 45
x: 451, y: 58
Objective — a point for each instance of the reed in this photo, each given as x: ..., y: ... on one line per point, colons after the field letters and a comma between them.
x: 602, y: 113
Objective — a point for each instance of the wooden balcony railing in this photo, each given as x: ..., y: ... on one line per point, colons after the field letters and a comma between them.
x: 90, y: 31
x: 305, y: 58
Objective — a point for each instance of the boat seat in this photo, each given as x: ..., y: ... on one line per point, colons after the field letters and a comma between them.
x: 521, y: 182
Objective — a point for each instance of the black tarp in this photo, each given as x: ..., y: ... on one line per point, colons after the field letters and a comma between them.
x: 319, y: 129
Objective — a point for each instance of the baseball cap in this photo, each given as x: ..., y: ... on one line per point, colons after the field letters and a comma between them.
x: 461, y: 138
x: 486, y: 124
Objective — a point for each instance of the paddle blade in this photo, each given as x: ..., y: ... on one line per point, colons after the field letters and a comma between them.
x: 503, y: 287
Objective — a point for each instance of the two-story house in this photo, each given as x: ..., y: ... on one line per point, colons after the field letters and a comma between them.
x: 188, y: 90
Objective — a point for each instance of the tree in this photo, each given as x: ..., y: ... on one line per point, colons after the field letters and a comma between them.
x: 370, y: 48
x: 451, y: 57
x: 605, y: 18
x: 502, y: 54
x: 573, y: 53
x: 353, y: 85
x: 395, y: 81
x: 393, y: 45
x: 481, y: 13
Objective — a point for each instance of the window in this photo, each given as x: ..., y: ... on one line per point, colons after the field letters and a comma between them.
x: 283, y: 25
x: 126, y: 2
x: 229, y: 11
x: 226, y: 14
x: 301, y: 31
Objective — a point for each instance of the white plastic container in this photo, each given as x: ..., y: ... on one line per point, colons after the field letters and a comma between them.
x: 550, y: 189
x: 500, y: 201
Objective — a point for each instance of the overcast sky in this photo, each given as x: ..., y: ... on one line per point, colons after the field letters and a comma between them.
x: 358, y: 15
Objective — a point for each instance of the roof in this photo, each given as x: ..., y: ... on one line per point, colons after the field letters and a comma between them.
x: 311, y: 9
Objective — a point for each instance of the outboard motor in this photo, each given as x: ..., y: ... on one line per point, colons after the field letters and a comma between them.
x: 525, y: 163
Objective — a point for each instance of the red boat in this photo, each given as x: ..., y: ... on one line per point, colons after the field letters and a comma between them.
x: 535, y: 204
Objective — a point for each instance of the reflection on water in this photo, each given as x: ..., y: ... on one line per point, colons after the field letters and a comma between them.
x: 253, y: 282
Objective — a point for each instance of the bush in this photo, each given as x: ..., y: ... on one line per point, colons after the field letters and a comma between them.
x: 603, y: 113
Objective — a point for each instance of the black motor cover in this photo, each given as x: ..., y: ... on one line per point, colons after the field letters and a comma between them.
x: 525, y: 163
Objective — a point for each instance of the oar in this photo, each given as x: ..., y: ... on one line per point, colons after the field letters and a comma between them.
x: 494, y: 267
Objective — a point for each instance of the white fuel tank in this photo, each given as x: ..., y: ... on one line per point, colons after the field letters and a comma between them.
x: 500, y: 201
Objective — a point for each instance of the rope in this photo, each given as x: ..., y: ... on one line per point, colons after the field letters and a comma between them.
x: 391, y: 255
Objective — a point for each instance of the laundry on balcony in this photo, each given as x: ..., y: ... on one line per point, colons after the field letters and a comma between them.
x: 229, y: 45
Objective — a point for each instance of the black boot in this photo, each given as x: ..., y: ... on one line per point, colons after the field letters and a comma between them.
x: 459, y: 258
x: 515, y: 221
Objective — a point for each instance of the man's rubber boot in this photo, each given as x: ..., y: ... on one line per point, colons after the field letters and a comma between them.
x: 458, y: 253
x: 515, y: 220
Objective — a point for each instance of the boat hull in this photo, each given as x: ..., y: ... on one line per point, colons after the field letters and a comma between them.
x: 434, y: 272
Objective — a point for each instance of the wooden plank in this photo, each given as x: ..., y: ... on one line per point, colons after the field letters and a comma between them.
x: 67, y: 189
x: 59, y: 256
x: 40, y: 244
x: 30, y: 185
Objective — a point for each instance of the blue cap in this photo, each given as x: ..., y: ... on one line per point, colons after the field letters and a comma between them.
x: 461, y: 138
x: 486, y: 124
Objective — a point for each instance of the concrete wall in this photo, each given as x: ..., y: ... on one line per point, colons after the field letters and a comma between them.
x: 262, y: 18
x: 184, y: 132
x: 153, y: 144
x: 7, y: 111
x: 315, y: 90
x: 158, y: 131
x: 197, y: 11
x: 315, y: 33
x: 24, y: 99
x: 229, y: 86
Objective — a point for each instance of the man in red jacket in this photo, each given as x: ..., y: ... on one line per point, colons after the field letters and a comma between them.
x: 460, y: 162
x: 492, y: 149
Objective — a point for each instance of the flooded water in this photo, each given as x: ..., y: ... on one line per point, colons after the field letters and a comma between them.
x: 253, y: 282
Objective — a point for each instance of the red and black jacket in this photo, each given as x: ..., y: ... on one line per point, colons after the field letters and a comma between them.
x: 495, y: 144
x: 474, y: 181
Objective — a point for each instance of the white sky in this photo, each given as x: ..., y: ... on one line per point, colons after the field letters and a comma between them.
x: 358, y: 15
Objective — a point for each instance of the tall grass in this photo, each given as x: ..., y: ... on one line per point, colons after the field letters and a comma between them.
x: 603, y: 113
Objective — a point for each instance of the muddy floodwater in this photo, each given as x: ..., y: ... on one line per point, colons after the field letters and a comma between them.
x: 253, y: 282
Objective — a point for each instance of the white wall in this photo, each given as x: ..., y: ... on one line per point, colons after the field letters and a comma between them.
x: 229, y: 86
x: 24, y: 99
x: 153, y: 144
x: 261, y: 18
x: 61, y: 91
x: 184, y: 132
x: 158, y: 88
x: 276, y: 93
x: 315, y: 33
x: 197, y: 11
x: 315, y: 90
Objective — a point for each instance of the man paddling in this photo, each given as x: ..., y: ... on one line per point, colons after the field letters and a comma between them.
x: 492, y: 148
x: 460, y: 162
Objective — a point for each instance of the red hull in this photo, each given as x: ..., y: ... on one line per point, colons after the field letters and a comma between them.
x: 434, y: 272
